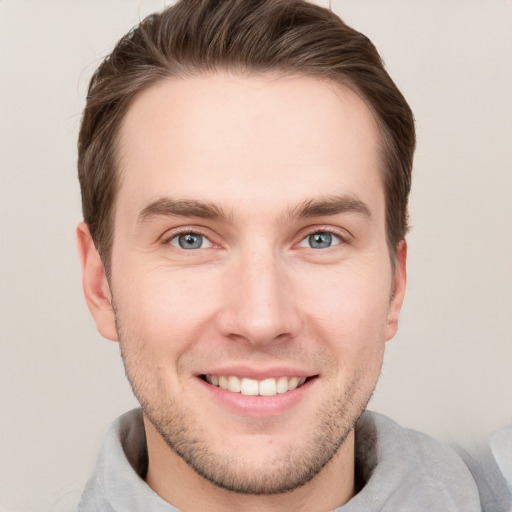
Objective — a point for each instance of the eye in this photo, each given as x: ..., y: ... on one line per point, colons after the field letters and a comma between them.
x: 190, y: 241
x: 320, y: 240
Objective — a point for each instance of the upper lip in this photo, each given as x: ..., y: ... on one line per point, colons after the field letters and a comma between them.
x: 251, y: 372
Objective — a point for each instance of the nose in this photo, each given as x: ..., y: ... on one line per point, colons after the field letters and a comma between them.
x: 259, y: 305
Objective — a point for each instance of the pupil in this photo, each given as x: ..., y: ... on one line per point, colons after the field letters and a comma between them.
x: 320, y: 240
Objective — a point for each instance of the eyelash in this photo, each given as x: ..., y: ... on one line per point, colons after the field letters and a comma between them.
x: 198, y: 231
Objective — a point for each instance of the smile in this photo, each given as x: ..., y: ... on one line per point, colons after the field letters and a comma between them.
x: 253, y: 387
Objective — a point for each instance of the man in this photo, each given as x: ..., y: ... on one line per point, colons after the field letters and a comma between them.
x: 245, y: 169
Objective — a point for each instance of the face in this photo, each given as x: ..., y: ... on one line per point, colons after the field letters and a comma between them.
x: 251, y: 281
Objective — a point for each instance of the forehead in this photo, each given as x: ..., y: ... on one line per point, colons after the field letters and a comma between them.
x: 230, y: 138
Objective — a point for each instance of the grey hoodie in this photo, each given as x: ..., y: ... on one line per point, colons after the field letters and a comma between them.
x: 402, y: 470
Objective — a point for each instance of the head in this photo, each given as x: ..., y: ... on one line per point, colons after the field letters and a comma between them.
x: 245, y: 168
x: 197, y: 37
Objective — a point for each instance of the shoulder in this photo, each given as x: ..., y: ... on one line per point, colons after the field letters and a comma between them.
x: 396, y: 445
x: 117, y: 483
x: 402, y: 469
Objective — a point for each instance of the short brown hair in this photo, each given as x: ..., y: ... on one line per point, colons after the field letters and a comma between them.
x: 200, y: 36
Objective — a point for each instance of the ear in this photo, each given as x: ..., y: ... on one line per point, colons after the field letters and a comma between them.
x: 95, y: 284
x: 399, y: 282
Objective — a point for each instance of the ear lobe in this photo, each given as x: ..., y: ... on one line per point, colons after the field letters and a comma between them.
x: 95, y: 284
x: 399, y: 283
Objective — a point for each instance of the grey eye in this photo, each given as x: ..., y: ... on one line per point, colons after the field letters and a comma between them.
x: 320, y: 240
x: 190, y: 241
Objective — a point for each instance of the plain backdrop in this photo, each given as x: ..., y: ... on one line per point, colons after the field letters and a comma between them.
x: 449, y: 370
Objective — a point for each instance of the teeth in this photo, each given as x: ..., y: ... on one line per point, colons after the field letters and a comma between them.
x: 234, y: 384
x: 293, y: 383
x: 282, y: 385
x: 268, y: 387
x: 249, y: 387
x: 223, y: 382
x: 252, y: 387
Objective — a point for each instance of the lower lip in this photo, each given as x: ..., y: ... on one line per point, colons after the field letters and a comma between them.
x: 258, y: 405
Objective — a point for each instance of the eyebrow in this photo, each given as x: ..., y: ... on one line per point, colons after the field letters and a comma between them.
x: 166, y: 207
x: 330, y: 205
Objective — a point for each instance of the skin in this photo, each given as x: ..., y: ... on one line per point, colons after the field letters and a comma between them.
x: 256, y: 298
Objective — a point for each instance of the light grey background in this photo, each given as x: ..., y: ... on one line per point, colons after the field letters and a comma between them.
x: 448, y: 372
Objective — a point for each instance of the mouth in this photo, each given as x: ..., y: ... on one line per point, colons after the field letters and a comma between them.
x: 252, y: 387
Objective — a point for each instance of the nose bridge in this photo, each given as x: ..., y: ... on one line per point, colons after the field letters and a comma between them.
x: 260, y: 307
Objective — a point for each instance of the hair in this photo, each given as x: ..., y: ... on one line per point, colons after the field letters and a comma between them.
x: 202, y: 36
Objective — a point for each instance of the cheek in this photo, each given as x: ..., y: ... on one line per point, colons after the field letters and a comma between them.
x: 160, y: 319
x: 164, y: 308
x: 347, y: 313
x: 351, y: 301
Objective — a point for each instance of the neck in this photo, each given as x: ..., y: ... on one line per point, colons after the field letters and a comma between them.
x: 178, y: 484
